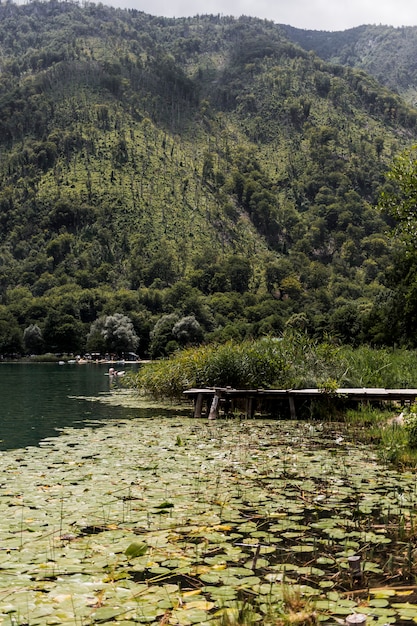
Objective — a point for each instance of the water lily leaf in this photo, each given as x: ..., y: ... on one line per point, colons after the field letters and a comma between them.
x: 324, y: 560
x: 204, y: 605
x: 287, y: 567
x: 385, y: 592
x: 368, y: 566
x: 260, y: 562
x: 326, y: 584
x: 407, y: 592
x: 378, y: 612
x: 370, y: 537
x: 165, y: 505
x: 157, y: 570
x: 332, y: 607
x: 250, y: 581
x: 105, y: 612
x: 185, y: 617
x: 273, y: 591
x: 333, y: 595
x: 219, y: 559
x: 401, y: 606
x: 211, y: 577
x: 136, y: 549
x: 201, y: 569
x: 302, y: 548
x: 311, y: 571
x: 225, y: 592
x: 267, y: 549
x: 379, y: 602
x: 249, y: 499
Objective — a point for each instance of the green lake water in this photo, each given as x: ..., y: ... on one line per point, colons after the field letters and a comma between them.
x: 39, y: 399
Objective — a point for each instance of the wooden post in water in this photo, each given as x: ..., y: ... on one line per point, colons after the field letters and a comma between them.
x: 292, y: 408
x: 250, y: 406
x: 355, y: 565
x: 198, y: 405
x: 214, y: 409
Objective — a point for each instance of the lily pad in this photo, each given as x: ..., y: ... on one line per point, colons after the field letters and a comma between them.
x: 136, y: 549
x: 225, y: 507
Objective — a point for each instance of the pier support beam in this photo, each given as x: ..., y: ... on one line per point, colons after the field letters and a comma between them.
x: 250, y: 406
x: 198, y: 405
x: 214, y: 409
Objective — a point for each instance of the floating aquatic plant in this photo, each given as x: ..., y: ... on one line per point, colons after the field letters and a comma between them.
x: 122, y: 524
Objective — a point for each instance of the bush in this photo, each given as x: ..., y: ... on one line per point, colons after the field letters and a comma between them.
x: 410, y: 423
x: 291, y: 361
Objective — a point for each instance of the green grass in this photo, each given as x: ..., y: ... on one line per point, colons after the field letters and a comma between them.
x: 291, y: 361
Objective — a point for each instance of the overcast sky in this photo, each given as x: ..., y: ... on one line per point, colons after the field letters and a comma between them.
x: 310, y: 14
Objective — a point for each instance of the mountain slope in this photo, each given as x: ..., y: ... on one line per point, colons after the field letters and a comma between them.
x: 385, y: 52
x: 203, y: 166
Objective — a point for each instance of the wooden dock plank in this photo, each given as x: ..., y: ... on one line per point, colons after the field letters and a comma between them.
x: 228, y: 394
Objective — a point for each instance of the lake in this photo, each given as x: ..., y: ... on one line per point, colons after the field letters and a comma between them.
x: 139, y: 515
x: 38, y: 399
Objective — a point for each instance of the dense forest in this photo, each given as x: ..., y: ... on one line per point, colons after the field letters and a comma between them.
x: 165, y: 182
x: 385, y: 52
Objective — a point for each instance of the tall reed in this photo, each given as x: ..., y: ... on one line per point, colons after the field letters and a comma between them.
x: 293, y: 360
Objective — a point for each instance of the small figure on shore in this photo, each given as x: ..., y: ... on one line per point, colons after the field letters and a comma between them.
x: 113, y: 372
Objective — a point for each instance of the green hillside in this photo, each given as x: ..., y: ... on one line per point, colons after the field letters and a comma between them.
x: 204, y: 176
x: 385, y: 52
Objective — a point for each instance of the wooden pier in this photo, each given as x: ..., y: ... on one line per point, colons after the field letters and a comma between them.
x: 209, y: 401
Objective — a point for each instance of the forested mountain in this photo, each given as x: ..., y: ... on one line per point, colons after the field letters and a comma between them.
x: 385, y: 52
x: 204, y: 176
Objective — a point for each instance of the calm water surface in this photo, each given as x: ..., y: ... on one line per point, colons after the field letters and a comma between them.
x: 38, y: 399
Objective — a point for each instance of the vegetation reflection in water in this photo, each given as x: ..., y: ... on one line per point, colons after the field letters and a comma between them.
x: 182, y: 521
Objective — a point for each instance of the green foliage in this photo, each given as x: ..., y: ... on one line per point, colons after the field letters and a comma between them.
x: 10, y: 333
x: 411, y: 426
x: 385, y: 52
x: 291, y: 361
x: 389, y: 368
x: 393, y: 443
x: 33, y: 339
x: 187, y: 330
x: 114, y: 334
x: 205, y: 166
x: 63, y: 332
x: 399, y: 196
x: 251, y: 364
x: 162, y: 336
x: 396, y: 437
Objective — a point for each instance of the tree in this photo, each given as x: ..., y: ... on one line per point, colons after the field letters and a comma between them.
x: 399, y: 201
x: 399, y: 198
x: 10, y: 333
x: 239, y: 272
x: 112, y: 333
x: 346, y: 323
x: 162, y: 335
x: 187, y: 330
x: 33, y: 339
x: 63, y: 332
